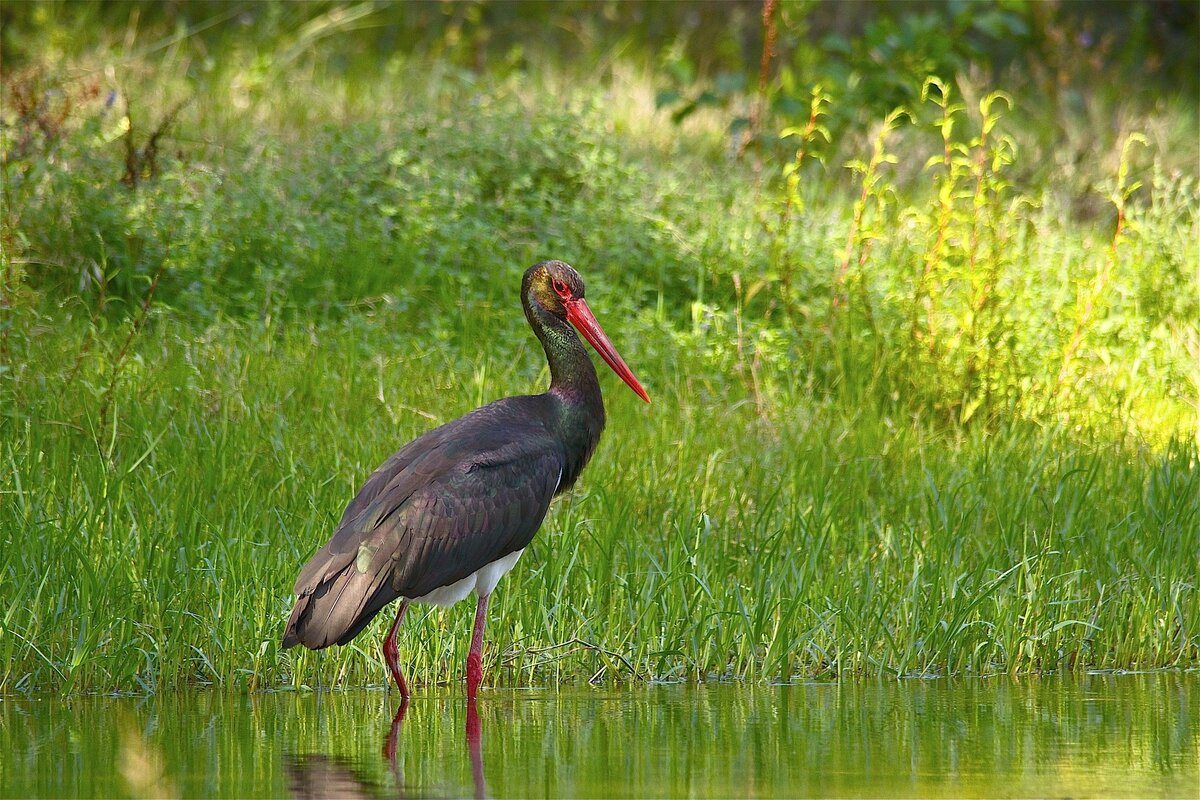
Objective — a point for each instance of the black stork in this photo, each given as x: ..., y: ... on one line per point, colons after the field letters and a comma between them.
x: 452, y: 511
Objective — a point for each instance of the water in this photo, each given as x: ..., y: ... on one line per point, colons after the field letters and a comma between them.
x: 1122, y: 736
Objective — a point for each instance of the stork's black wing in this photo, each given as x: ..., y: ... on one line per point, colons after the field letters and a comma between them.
x: 444, y: 506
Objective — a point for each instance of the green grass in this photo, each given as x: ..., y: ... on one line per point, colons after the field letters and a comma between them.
x: 705, y: 541
x: 926, y: 407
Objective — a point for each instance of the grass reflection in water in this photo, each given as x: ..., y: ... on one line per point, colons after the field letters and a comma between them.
x: 1100, y: 735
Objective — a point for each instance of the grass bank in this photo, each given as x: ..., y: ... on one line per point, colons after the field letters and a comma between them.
x: 706, y: 540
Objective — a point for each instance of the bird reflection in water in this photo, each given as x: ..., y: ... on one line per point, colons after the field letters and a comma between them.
x: 321, y: 776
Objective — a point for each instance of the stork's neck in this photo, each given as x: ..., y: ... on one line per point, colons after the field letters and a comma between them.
x: 572, y: 376
x: 573, y: 383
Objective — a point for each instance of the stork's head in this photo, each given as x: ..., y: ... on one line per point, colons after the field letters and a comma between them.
x: 557, y: 289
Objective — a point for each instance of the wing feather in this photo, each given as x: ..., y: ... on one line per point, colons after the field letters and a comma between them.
x: 460, y: 497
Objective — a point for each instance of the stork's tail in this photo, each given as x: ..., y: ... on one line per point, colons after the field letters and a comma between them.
x: 298, y: 619
x: 336, y: 610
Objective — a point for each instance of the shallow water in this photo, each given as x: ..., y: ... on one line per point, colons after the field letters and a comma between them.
x: 1100, y: 735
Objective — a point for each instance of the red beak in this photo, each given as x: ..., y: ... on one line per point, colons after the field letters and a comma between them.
x: 579, y: 315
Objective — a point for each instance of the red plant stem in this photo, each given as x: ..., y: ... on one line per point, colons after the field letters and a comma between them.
x: 764, y: 71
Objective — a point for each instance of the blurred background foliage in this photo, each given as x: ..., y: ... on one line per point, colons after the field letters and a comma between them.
x: 970, y: 205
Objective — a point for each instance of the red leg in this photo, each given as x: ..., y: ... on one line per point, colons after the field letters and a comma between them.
x: 392, y: 655
x: 475, y: 657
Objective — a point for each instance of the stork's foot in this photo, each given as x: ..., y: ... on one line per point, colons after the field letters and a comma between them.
x: 394, y: 667
x: 474, y: 675
x: 475, y: 656
x: 391, y: 654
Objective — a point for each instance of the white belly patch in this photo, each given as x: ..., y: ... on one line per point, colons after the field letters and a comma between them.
x: 482, y: 582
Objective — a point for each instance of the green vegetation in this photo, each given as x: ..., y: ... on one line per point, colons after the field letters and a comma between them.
x: 925, y: 379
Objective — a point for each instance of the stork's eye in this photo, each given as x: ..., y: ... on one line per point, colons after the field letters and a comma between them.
x: 561, y: 289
